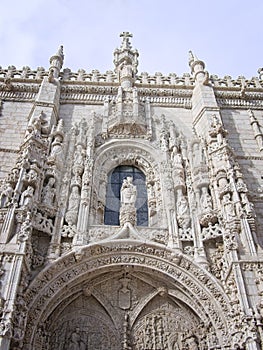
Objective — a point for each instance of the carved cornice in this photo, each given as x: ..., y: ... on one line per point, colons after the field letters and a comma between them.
x: 6, y: 150
x: 19, y: 92
x: 249, y: 157
x: 239, y: 99
x: 95, y: 94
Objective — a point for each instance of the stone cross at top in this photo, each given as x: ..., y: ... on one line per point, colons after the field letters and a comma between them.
x: 125, y: 40
x: 126, y: 35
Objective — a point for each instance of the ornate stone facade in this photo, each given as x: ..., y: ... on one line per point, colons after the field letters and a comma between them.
x: 130, y: 208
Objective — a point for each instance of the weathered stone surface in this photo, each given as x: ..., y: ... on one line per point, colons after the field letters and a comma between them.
x: 130, y: 208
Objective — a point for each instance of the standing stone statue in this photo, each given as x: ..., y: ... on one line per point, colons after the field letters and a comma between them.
x: 73, y: 206
x: 48, y: 194
x: 128, y: 198
x: 26, y: 196
x: 228, y: 207
x: 6, y: 196
x: 206, y: 200
x: 128, y: 192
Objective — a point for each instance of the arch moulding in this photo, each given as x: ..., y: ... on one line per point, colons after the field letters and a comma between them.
x: 196, y: 286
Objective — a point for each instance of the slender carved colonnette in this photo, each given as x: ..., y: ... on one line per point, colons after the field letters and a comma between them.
x: 130, y: 208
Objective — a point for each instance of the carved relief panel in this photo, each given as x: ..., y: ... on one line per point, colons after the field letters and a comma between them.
x: 117, y: 311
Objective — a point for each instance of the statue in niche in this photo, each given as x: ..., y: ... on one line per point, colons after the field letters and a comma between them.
x: 32, y: 175
x: 163, y: 141
x: 248, y: 206
x: 73, y: 205
x: 183, y: 214
x: 48, y: 193
x: 56, y: 149
x: 79, y: 156
x: 27, y: 196
x: 176, y: 157
x: 6, y: 196
x: 35, y: 125
x: 128, y: 192
x: 76, y: 342
x: 228, y: 207
x: 196, y: 155
x: 206, y: 200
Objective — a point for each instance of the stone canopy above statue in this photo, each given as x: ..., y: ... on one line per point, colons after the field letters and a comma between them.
x: 126, y: 61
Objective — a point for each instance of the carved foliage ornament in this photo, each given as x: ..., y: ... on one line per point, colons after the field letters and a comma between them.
x: 41, y: 291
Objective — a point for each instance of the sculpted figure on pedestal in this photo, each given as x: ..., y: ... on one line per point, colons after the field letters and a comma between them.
x: 48, y: 193
x: 228, y: 207
x: 128, y: 198
x: 183, y: 214
x: 6, y: 196
x: 73, y: 205
x: 128, y: 192
x: 35, y: 125
x: 205, y: 200
x: 176, y: 157
x: 32, y: 175
x: 56, y: 149
x: 79, y: 156
x: 27, y: 196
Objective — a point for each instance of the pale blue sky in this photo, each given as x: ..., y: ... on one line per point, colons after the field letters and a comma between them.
x: 226, y: 35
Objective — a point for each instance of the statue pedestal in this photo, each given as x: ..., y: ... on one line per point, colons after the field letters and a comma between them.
x: 128, y: 214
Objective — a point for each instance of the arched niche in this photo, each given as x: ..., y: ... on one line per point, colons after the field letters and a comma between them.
x: 166, y: 281
x: 113, y: 195
x: 127, y: 152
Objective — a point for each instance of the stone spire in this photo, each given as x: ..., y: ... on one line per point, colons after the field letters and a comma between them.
x: 198, y: 69
x: 126, y: 61
x: 56, y: 63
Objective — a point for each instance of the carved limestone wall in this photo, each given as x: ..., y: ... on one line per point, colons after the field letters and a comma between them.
x: 190, y: 275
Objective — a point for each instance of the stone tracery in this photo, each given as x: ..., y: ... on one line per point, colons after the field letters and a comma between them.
x: 181, y: 282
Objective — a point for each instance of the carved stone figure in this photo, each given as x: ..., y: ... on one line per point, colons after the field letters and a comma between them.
x: 128, y: 198
x: 192, y: 344
x: 176, y: 157
x: 49, y: 191
x: 183, y: 216
x: 6, y: 196
x: 128, y: 192
x: 27, y: 196
x: 73, y: 205
x: 32, y: 175
x: 78, y: 158
x: 126, y: 70
x: 35, y: 125
x: 248, y: 206
x: 124, y: 294
x: 228, y: 207
x: 205, y: 200
x: 56, y: 149
x: 75, y: 342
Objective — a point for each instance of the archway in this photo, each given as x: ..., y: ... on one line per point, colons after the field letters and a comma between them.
x: 136, y: 293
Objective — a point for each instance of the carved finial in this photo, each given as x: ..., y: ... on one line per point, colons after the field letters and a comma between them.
x: 198, y: 69
x: 190, y: 57
x: 125, y: 40
x: 260, y: 72
x: 126, y: 62
x: 56, y: 62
